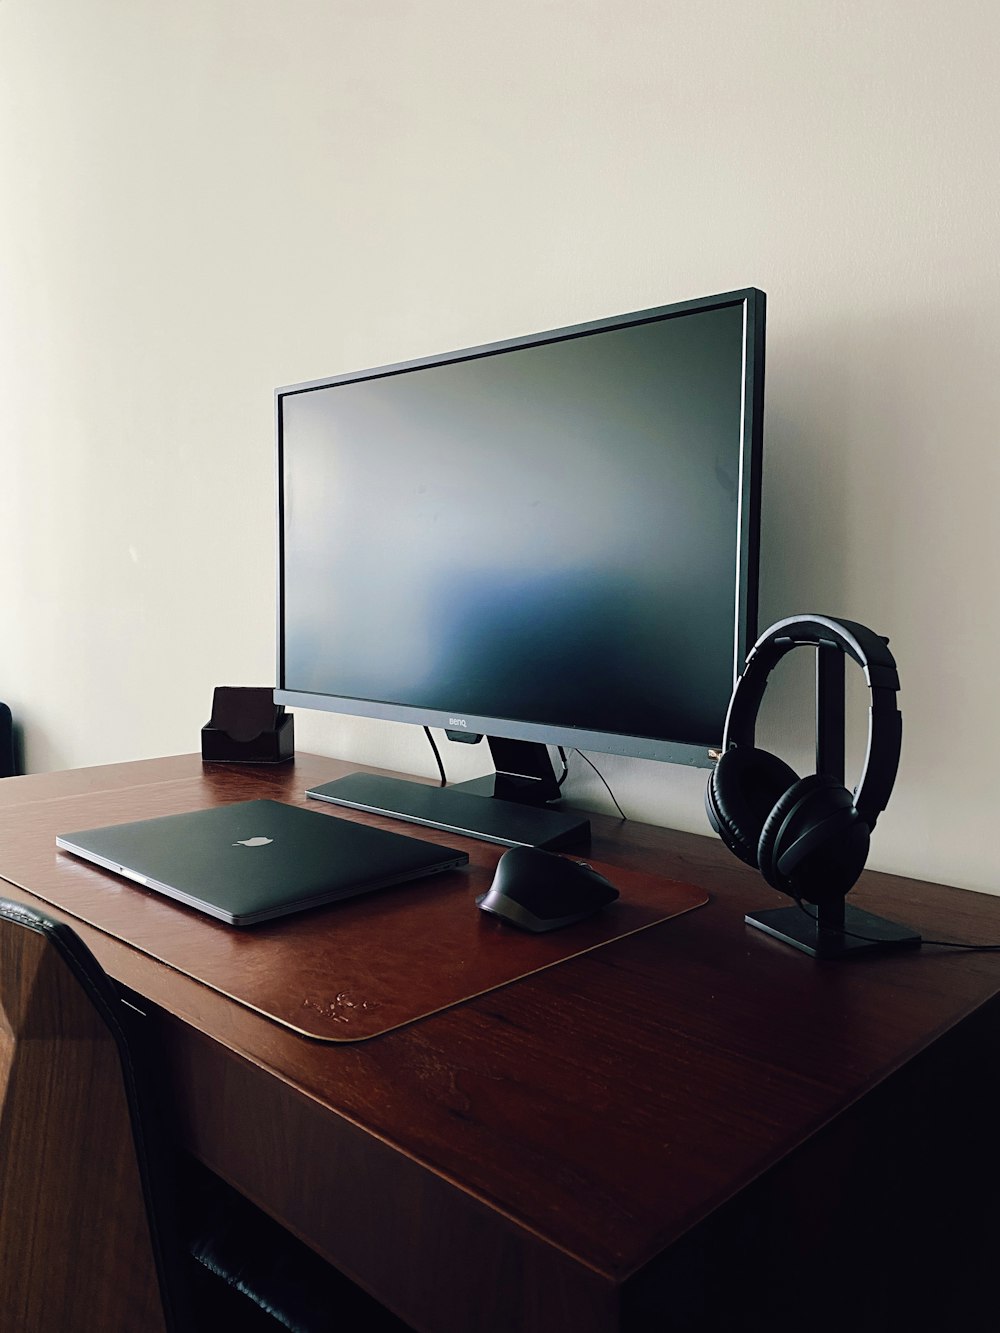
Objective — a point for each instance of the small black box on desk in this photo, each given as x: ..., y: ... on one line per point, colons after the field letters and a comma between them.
x: 247, y: 727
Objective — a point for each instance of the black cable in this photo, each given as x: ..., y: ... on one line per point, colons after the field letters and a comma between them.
x: 873, y: 939
x: 559, y: 781
x: 957, y: 944
x: 437, y: 756
x: 605, y: 781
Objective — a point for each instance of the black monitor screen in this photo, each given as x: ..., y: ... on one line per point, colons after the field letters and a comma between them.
x: 552, y: 538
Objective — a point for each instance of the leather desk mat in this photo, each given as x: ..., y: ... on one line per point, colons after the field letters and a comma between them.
x: 345, y: 972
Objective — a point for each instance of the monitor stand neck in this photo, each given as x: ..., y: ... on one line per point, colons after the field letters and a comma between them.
x: 524, y: 773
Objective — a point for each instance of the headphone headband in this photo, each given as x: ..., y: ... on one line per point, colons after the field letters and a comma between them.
x: 872, y: 654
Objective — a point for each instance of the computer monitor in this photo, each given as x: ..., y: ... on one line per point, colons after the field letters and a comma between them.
x: 547, y: 541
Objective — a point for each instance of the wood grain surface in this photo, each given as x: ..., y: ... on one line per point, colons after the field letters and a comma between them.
x: 528, y: 1159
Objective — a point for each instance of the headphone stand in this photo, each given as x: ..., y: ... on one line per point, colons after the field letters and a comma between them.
x: 836, y: 931
x: 809, y: 837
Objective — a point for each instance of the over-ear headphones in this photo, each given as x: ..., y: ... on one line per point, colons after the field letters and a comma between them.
x: 808, y: 837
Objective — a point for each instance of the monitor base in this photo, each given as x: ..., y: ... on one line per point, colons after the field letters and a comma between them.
x: 456, y: 811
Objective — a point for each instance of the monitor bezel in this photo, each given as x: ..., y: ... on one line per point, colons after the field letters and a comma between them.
x: 701, y: 755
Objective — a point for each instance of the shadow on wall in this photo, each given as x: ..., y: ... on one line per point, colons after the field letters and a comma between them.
x: 881, y: 473
x: 806, y: 469
x: 880, y: 466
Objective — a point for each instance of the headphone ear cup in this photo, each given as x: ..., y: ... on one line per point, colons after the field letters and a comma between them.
x: 740, y: 793
x: 814, y: 844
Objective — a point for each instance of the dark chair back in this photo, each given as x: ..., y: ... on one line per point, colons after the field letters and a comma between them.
x: 8, y: 765
x: 79, y: 1242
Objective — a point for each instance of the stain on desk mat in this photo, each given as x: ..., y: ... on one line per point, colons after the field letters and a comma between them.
x: 345, y: 972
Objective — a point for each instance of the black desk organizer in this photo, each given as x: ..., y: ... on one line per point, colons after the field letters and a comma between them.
x: 247, y: 727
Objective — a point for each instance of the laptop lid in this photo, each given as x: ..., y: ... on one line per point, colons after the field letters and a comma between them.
x: 256, y: 860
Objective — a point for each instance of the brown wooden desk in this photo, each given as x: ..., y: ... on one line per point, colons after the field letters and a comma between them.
x: 696, y: 1118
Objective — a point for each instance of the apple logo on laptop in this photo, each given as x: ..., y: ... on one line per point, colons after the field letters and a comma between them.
x: 253, y: 842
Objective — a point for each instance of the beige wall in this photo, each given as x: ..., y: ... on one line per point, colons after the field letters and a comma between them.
x: 204, y: 199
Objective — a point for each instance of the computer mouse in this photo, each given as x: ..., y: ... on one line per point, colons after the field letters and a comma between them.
x: 538, y: 890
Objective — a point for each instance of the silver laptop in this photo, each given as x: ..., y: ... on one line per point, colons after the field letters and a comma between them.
x: 257, y: 860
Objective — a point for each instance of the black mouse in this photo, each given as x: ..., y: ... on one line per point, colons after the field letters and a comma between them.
x: 538, y: 890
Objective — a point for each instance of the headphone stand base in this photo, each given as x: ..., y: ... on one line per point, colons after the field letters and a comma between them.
x: 860, y: 932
